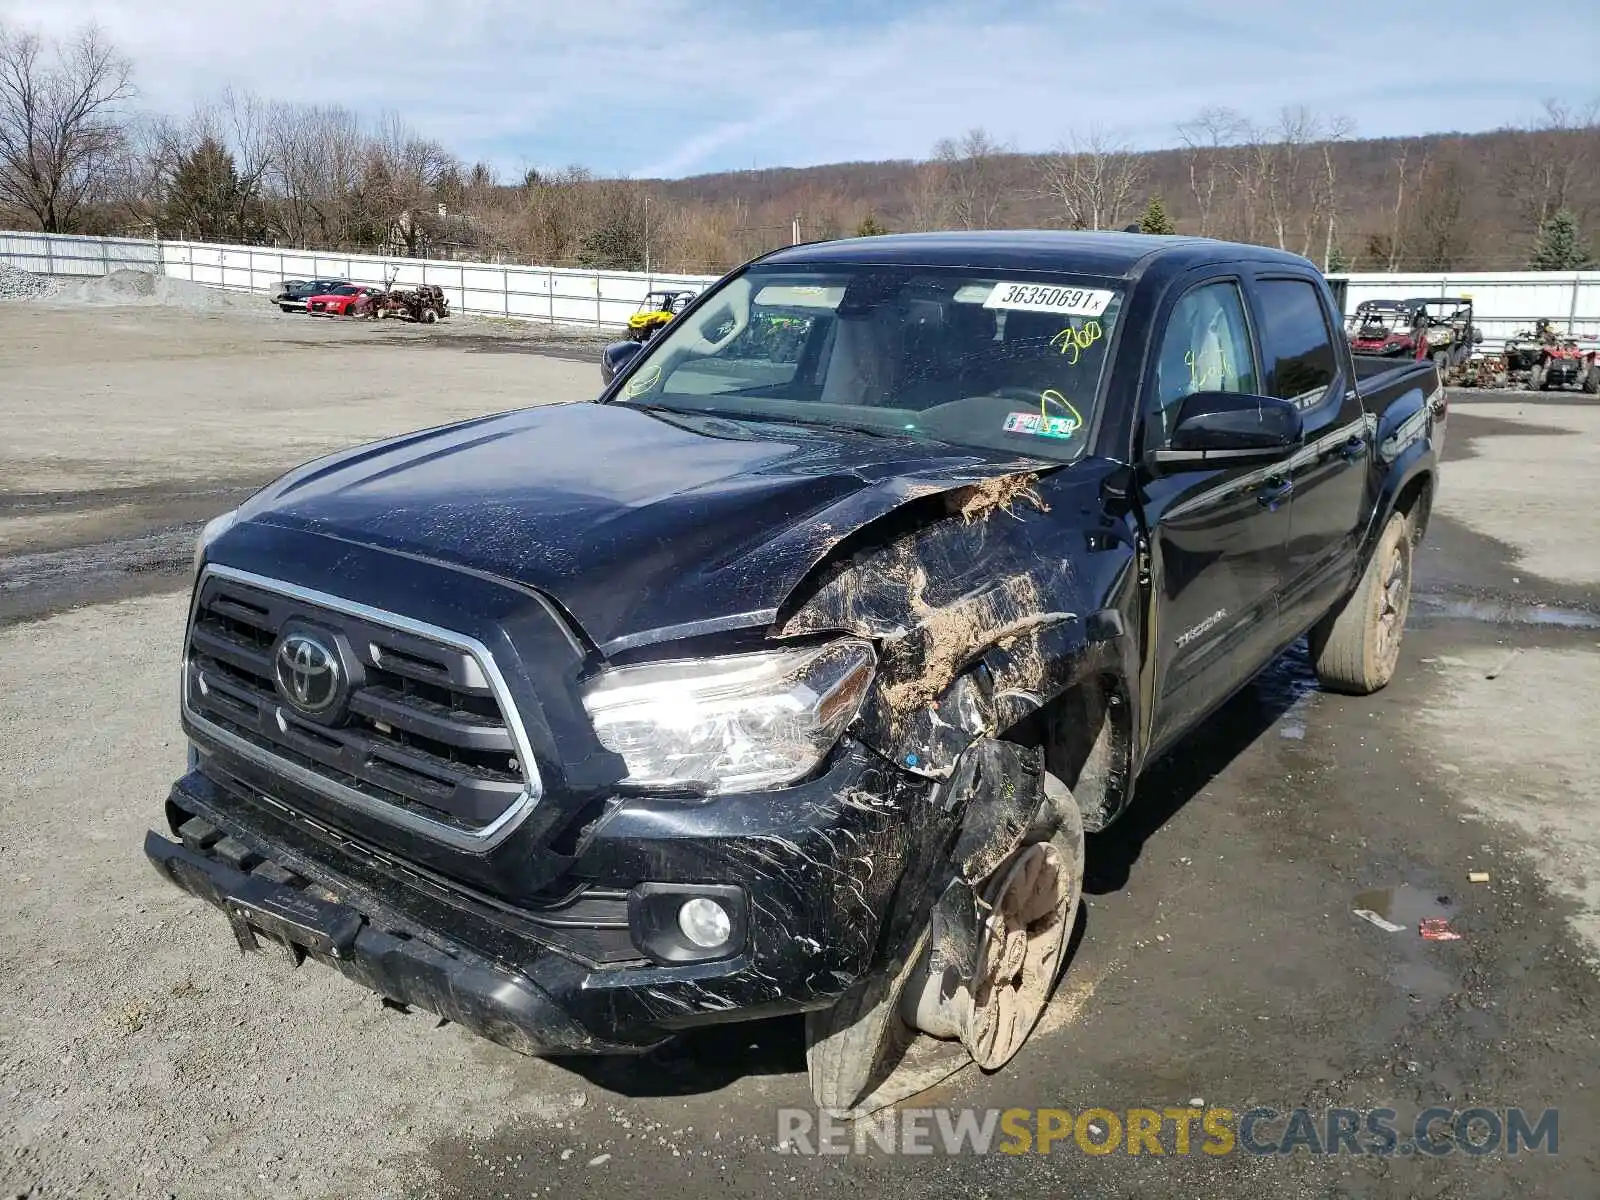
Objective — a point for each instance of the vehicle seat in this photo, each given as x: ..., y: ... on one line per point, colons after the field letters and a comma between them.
x: 865, y: 357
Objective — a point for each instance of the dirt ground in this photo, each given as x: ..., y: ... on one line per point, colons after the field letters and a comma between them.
x: 141, y: 1055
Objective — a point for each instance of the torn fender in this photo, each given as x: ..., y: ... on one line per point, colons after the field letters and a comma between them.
x: 981, y: 618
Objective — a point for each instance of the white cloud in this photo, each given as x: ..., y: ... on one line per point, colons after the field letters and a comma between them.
x: 675, y: 86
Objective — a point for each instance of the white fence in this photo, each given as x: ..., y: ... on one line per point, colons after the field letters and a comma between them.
x: 558, y: 295
x: 1503, y: 301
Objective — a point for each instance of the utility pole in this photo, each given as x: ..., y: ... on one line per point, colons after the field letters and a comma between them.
x: 647, y: 235
x: 794, y: 230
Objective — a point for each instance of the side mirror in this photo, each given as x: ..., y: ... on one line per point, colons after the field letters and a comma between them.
x: 1477, y: 336
x: 1231, y: 427
x: 615, y: 357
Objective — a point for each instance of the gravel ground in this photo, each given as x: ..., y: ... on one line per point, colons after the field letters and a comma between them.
x: 17, y: 284
x: 141, y: 1055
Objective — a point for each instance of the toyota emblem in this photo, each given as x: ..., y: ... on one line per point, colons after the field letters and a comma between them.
x: 309, y: 676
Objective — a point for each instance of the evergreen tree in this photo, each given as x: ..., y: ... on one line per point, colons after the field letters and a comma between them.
x: 1338, y: 261
x: 1559, y: 245
x: 871, y: 227
x: 1155, y: 219
x: 205, y: 200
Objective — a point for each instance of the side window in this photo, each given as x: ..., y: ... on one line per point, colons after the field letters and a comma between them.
x: 1206, y: 348
x: 1296, y: 348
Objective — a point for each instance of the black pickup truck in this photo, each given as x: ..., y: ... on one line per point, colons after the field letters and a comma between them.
x: 787, y: 675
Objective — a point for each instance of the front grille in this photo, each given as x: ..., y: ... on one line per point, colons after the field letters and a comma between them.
x: 419, y: 735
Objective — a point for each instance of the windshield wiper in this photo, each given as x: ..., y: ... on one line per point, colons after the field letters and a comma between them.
x: 836, y: 426
x: 686, y: 418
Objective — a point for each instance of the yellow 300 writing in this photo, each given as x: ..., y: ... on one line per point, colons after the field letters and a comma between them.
x: 1073, y: 342
x: 1205, y: 367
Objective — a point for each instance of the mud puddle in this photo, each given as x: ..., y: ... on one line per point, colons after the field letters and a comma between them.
x: 1401, y: 913
x: 1500, y: 612
x: 38, y: 584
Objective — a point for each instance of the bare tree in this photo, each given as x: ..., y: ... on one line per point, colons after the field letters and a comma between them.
x: 1211, y: 141
x: 244, y: 122
x: 1339, y: 129
x: 1548, y: 163
x: 1406, y: 167
x: 60, y: 132
x: 972, y: 174
x: 401, y: 175
x: 928, y: 204
x: 553, y: 220
x: 1443, y: 224
x: 1280, y: 162
x: 1094, y: 178
x: 317, y: 155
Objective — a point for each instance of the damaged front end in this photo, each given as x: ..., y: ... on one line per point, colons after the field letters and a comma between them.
x: 988, y: 635
x: 854, y: 801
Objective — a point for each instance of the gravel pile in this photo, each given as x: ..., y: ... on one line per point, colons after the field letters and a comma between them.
x: 145, y: 289
x: 121, y: 289
x: 17, y: 284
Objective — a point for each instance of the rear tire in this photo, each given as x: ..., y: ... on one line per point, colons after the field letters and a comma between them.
x: 1356, y: 647
x: 1591, y: 381
x: 429, y: 316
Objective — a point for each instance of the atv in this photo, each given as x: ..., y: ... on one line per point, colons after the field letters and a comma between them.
x: 655, y: 310
x: 1385, y: 327
x: 1565, y: 363
x: 1445, y: 332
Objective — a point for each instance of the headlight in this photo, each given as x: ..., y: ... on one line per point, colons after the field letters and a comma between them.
x: 214, y: 529
x: 729, y: 724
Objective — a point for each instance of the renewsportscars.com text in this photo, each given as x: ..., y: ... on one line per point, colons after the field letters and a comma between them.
x: 1213, y: 1131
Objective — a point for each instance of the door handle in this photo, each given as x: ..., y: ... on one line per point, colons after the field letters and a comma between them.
x: 1353, y: 449
x: 1274, y: 492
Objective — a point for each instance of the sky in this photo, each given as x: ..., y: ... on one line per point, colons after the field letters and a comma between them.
x: 649, y: 88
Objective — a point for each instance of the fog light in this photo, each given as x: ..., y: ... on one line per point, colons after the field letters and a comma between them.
x: 705, y: 923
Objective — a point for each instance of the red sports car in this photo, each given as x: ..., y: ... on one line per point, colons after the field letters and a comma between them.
x: 351, y: 300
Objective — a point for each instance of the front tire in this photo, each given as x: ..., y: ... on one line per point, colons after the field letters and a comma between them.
x: 1356, y: 647
x: 1028, y: 907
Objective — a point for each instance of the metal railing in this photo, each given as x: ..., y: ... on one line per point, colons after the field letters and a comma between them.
x: 556, y: 295
x: 1504, y: 301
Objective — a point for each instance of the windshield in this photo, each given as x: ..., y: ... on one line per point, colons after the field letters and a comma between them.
x: 997, y: 360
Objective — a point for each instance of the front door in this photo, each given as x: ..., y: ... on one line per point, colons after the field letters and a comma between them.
x: 1218, y: 536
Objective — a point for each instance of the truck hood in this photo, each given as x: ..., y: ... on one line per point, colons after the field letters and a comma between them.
x: 643, y: 526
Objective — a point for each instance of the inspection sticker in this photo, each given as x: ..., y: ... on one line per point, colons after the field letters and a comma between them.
x: 1048, y: 297
x: 1040, y: 425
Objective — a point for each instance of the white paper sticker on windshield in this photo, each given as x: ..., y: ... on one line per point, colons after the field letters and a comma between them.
x: 1049, y: 297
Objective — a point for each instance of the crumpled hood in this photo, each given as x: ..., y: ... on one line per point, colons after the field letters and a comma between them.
x: 633, y: 522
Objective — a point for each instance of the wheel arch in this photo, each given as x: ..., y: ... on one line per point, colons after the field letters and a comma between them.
x: 1086, y: 734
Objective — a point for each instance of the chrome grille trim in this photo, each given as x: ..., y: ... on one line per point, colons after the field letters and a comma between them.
x: 477, y: 840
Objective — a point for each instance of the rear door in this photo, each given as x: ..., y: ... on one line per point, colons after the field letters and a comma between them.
x: 1301, y: 363
x: 1217, y: 535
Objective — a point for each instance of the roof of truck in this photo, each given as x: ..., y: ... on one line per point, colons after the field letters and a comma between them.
x: 1089, y: 253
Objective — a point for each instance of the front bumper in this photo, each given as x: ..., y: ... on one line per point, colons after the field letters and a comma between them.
x: 829, y: 882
